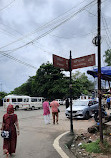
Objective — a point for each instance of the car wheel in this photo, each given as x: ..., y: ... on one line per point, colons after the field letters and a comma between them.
x: 87, y: 116
x: 33, y: 108
x: 17, y: 107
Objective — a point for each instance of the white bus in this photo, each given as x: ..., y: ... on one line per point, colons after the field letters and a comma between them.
x: 23, y: 102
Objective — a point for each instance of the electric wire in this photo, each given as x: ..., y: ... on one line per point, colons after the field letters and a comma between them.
x: 27, y: 44
x: 48, y: 24
x: 17, y: 60
x: 107, y: 30
x: 104, y: 23
x: 35, y: 40
x: 74, y: 35
x: 52, y: 29
x: 7, y: 32
x: 7, y: 5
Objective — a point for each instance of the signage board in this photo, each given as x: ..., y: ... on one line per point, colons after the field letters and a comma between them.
x: 60, y: 62
x: 84, y: 61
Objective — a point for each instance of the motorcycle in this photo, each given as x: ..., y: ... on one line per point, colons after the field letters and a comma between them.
x: 96, y: 114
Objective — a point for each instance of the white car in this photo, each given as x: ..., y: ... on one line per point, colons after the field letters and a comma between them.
x: 60, y: 101
x: 82, y: 108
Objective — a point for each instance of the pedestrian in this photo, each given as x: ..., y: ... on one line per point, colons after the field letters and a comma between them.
x: 67, y: 103
x: 54, y: 105
x: 108, y: 102
x: 10, y: 123
x: 46, y: 111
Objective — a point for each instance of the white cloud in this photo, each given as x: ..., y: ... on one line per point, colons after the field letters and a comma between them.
x: 24, y: 16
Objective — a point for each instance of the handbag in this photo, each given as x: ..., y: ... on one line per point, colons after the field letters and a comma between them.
x: 5, y: 134
x: 58, y: 110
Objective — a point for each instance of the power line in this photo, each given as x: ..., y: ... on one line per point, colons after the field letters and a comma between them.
x: 48, y: 24
x: 49, y: 31
x: 7, y: 5
x: 105, y: 23
x: 17, y: 60
x: 31, y: 42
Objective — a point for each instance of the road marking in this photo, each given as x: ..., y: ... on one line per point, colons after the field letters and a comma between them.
x: 58, y: 148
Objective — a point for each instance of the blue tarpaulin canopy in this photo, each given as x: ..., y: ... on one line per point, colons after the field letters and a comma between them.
x: 105, y: 73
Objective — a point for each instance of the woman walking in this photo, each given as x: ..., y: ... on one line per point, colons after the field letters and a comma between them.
x: 54, y: 105
x: 46, y: 111
x: 10, y: 123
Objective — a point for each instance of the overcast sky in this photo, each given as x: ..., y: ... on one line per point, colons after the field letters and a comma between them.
x: 32, y: 30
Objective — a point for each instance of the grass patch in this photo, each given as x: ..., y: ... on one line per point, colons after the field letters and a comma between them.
x: 95, y: 147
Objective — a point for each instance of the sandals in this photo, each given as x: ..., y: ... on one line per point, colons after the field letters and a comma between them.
x: 7, y: 155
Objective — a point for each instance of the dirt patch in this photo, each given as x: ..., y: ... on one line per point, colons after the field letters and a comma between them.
x: 79, y: 139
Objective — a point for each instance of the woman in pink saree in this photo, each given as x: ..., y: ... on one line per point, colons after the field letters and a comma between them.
x: 10, y: 123
x: 46, y: 111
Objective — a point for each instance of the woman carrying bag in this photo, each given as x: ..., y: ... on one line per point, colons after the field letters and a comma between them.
x: 54, y: 105
x: 10, y: 124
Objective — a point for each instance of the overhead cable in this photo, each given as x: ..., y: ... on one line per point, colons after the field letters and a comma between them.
x: 7, y: 5
x: 52, y: 29
x: 49, y: 24
x: 17, y: 60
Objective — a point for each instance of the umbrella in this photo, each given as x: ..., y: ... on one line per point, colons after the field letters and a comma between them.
x: 105, y: 73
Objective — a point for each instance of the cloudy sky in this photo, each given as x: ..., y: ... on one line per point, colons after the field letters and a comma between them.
x: 32, y: 30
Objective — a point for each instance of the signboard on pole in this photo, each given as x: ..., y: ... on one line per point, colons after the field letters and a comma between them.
x: 68, y: 65
x: 61, y: 62
x: 76, y: 63
x: 84, y: 61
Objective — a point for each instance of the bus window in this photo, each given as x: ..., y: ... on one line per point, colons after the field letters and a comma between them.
x: 19, y: 99
x: 33, y: 100
x: 26, y: 100
x: 4, y: 100
x: 7, y: 100
x: 43, y: 100
x: 13, y: 99
x: 39, y: 100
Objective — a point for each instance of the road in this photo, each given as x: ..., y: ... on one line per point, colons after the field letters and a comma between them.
x: 36, y: 139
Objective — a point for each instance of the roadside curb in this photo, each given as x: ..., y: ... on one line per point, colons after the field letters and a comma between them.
x: 63, y: 143
x: 58, y: 148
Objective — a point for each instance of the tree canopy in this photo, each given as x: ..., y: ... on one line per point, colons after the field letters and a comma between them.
x: 108, y: 57
x: 2, y: 94
x: 50, y: 82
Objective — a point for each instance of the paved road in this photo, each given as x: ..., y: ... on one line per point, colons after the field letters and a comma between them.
x: 36, y: 138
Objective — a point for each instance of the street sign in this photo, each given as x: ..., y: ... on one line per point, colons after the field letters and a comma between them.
x: 76, y: 63
x: 61, y: 62
x: 68, y: 65
x: 84, y: 61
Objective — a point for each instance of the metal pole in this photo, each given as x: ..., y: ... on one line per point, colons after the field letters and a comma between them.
x: 99, y: 70
x: 70, y: 86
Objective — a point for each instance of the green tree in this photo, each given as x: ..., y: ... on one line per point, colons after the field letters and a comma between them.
x: 26, y: 88
x: 2, y: 95
x: 108, y: 57
x: 50, y: 82
x: 81, y: 83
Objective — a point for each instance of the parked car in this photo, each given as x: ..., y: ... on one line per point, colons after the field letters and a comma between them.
x: 60, y: 101
x: 82, y: 108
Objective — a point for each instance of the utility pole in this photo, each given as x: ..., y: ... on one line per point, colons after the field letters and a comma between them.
x: 70, y: 87
x: 99, y: 70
